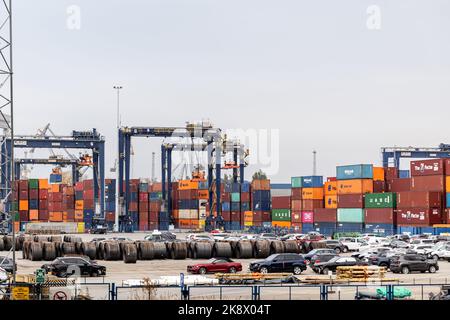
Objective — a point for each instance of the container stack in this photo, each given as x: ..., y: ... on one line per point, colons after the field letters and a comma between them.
x: 143, y: 207
x: 133, y: 206
x: 110, y: 203
x: 186, y: 204
x: 446, y: 213
x: 260, y: 200
x: 155, y: 201
x: 312, y: 198
x: 55, y: 197
x: 246, y: 219
x: 43, y: 214
x: 325, y: 219
x: 422, y: 206
x: 23, y: 201
x: 296, y: 203
x: 33, y: 194
x: 353, y: 182
x: 281, y: 211
x: 88, y: 203
x: 379, y: 213
x: 235, y: 206
x: 68, y: 204
x: 79, y: 202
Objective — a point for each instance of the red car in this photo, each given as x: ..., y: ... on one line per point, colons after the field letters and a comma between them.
x: 225, y: 265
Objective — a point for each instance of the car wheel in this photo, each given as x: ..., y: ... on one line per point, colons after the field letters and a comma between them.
x: 432, y: 269
x: 232, y: 270
x: 297, y: 270
x: 202, y: 270
x: 384, y: 265
x: 264, y: 270
x: 325, y: 271
x: 345, y: 250
x: 435, y: 257
x: 337, y: 250
x: 94, y: 273
x: 405, y: 270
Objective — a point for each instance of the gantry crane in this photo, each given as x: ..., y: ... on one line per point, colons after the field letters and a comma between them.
x: 397, y: 153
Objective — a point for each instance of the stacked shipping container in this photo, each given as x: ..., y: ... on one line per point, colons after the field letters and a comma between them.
x: 260, y: 202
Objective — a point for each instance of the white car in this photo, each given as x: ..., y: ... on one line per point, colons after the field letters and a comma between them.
x: 352, y: 244
x: 220, y: 236
x: 422, y: 241
x: 292, y: 236
x: 199, y: 237
x: 441, y: 252
x: 249, y: 237
x: 421, y: 248
x: 3, y: 275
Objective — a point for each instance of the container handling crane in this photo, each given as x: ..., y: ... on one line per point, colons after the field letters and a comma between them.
x: 397, y: 153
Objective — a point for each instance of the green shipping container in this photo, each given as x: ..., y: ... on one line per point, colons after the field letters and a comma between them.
x: 350, y: 215
x: 14, y: 206
x: 235, y: 197
x: 380, y: 200
x: 281, y: 215
x: 33, y: 184
x: 296, y: 182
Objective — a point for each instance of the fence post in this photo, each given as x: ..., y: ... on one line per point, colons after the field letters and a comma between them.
x: 184, y: 292
x: 112, y: 293
x: 255, y: 293
x: 323, y: 292
x: 390, y: 292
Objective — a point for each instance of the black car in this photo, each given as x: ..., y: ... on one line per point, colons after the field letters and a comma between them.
x: 382, y: 259
x: 66, y: 266
x: 7, y: 264
x: 281, y: 262
x: 408, y: 263
x: 321, y: 257
x: 313, y: 252
x: 336, y: 245
x: 332, y: 264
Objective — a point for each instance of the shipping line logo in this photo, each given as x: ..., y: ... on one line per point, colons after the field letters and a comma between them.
x: 424, y: 167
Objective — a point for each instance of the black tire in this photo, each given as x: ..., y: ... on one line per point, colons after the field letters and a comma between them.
x: 202, y: 270
x: 36, y: 251
x: 291, y: 246
x: 325, y: 271
x: 276, y: 246
x: 432, y: 269
x: 297, y: 270
x: 145, y: 250
x: 337, y: 250
x: 435, y: 257
x: 345, y: 250
x: 264, y: 270
x: 48, y: 251
x: 232, y: 270
x: 261, y: 249
x: 405, y: 270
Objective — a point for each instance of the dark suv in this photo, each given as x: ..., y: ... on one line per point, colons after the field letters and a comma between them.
x: 413, y: 262
x: 332, y: 264
x: 281, y: 262
x: 336, y: 245
x: 66, y: 266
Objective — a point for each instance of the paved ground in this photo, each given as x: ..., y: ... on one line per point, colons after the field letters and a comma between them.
x: 117, y: 272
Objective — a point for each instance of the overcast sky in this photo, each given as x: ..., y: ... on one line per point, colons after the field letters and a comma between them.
x: 312, y: 69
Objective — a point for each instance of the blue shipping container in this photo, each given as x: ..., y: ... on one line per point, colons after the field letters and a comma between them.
x: 228, y: 187
x: 226, y: 206
x: 134, y: 196
x: 403, y: 174
x: 312, y: 181
x: 55, y: 178
x: 448, y: 200
x: 263, y: 195
x: 164, y: 225
x: 203, y: 185
x: 233, y: 225
x: 307, y: 227
x: 164, y: 217
x: 245, y: 187
x: 235, y: 206
x: 358, y: 171
x: 34, y: 204
x: 261, y: 205
x: 110, y: 206
x: 380, y: 228
x: 235, y: 187
x: 245, y: 206
x: 350, y: 227
x: 325, y: 228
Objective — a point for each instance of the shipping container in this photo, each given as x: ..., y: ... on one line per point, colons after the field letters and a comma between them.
x: 350, y: 227
x: 330, y: 188
x: 325, y: 215
x: 379, y: 186
x: 378, y: 174
x: 354, y: 215
x: 325, y: 228
x: 312, y: 182
x: 310, y: 205
x: 398, y: 185
x: 296, y: 182
x: 351, y: 172
x: 312, y: 193
x: 296, y: 194
x: 428, y: 183
x: 281, y: 224
x: 419, y: 199
x: 281, y: 202
x: 380, y: 200
x: 350, y: 201
x: 307, y: 216
x: 391, y: 173
x: 296, y: 216
x: 427, y: 167
x: 404, y: 174
x: 418, y: 216
x: 382, y: 229
x: 307, y: 227
x: 380, y: 215
x: 331, y: 201
x: 355, y: 186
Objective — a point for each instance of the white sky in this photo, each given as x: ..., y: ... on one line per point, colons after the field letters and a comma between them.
x: 311, y: 69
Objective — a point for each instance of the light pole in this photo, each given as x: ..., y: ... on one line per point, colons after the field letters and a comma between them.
x: 116, y: 216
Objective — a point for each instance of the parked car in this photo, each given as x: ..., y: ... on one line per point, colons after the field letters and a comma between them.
x: 99, y: 229
x: 413, y: 262
x: 59, y: 267
x: 352, y: 244
x: 267, y: 236
x: 281, y: 262
x: 7, y: 264
x: 421, y: 248
x: 199, y: 237
x: 382, y: 259
x: 398, y: 244
x: 224, y: 265
x: 314, y: 252
x: 336, y: 245
x: 160, y: 236
x: 3, y: 275
x: 291, y: 236
x: 332, y: 264
x: 440, y: 252
x: 364, y: 255
x: 422, y: 242
x: 320, y: 257
x: 220, y: 236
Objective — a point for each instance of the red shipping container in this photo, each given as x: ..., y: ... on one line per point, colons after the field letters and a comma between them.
x: 153, y: 216
x: 390, y: 173
x: 55, y: 196
x: 266, y: 216
x: 143, y: 226
x: 79, y: 186
x: 296, y: 193
x: 307, y: 216
x: 296, y: 216
x: 143, y: 197
x: 89, y: 204
x: 447, y: 166
x: 428, y: 183
x: 88, y: 194
x: 110, y: 216
x: 55, y: 206
x: 350, y: 200
x: 399, y: 185
x: 225, y: 197
x: 156, y: 187
x: 325, y: 215
x: 245, y: 197
x: 418, y: 217
x: 419, y: 199
x: 235, y: 216
x: 379, y: 186
x: 446, y: 215
x: 226, y: 215
x: 380, y: 215
x: 281, y: 202
x: 133, y: 206
x: 70, y: 191
x: 88, y: 184
x: 296, y: 205
x: 153, y: 225
x: 155, y: 206
x: 297, y: 227
x: 257, y: 216
x: 69, y: 214
x: 310, y: 205
x: 23, y: 215
x: 143, y: 206
x: 331, y: 179
x: 43, y: 215
x: 143, y: 216
x: 23, y: 194
x: 427, y: 167
x: 188, y: 194
x: 43, y: 194
x: 33, y: 194
x: 43, y: 205
x: 134, y: 188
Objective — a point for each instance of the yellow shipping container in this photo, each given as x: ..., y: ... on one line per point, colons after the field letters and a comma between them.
x: 248, y: 216
x: 248, y: 223
x: 281, y: 224
x: 355, y: 186
x: 80, y: 227
x: 187, y: 185
x: 23, y: 205
x: 330, y: 188
x: 378, y: 174
x: 312, y: 193
x: 331, y: 202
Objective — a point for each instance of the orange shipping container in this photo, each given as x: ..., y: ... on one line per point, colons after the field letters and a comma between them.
x: 203, y: 194
x: 17, y: 226
x: 55, y: 216
x: 248, y: 216
x: 187, y: 185
x: 79, y: 215
x: 331, y: 202
x: 34, y: 215
x: 356, y: 186
x: 378, y: 174
x: 330, y: 188
x: 43, y: 184
x: 312, y: 193
x: 54, y: 187
x: 79, y: 204
x: 281, y: 224
x: 23, y: 205
x: 447, y: 183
